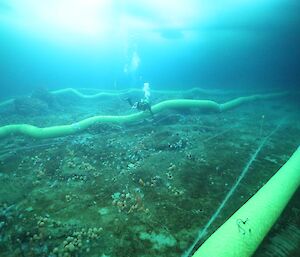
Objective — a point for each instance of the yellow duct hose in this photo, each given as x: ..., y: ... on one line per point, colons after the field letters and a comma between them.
x: 243, y: 232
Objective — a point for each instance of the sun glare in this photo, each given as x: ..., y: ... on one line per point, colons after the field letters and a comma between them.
x: 64, y: 18
x: 110, y: 20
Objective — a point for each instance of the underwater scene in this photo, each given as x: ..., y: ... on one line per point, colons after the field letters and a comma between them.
x: 149, y: 128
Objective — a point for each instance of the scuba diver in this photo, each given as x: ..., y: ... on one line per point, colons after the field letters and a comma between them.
x: 144, y: 103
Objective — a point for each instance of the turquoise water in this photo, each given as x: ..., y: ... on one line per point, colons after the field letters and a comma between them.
x: 150, y: 174
x: 180, y: 44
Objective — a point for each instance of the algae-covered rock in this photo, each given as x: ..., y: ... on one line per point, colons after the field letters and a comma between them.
x: 28, y: 106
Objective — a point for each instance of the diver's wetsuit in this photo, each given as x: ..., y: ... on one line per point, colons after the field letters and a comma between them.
x: 142, y: 105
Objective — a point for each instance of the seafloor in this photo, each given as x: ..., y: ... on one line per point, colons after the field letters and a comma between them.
x: 142, y: 189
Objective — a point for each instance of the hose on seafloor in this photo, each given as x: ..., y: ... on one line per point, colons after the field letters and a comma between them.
x: 244, y: 231
x: 206, y: 106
